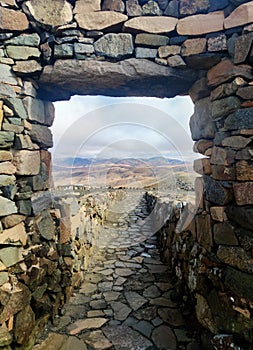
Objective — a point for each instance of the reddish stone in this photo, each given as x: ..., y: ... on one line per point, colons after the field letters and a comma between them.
x: 240, y: 16
x: 247, y: 104
x: 156, y: 25
x: 243, y: 193
x: 202, y: 166
x: 201, y: 24
x: 225, y: 71
x: 202, y: 146
x: 13, y: 20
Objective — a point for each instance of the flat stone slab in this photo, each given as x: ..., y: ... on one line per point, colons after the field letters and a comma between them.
x: 121, y: 310
x: 135, y: 300
x: 164, y: 338
x: 123, y: 338
x: 88, y: 288
x: 97, y: 340
x: 124, y: 272
x: 130, y: 77
x: 89, y: 323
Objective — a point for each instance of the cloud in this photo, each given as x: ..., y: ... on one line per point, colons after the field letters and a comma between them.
x: 102, y: 127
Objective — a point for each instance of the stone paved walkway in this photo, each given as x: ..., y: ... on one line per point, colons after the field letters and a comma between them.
x: 129, y: 300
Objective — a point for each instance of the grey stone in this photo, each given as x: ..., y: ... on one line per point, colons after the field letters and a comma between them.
x: 151, y: 39
x: 115, y: 45
x: 124, y: 272
x: 6, y: 91
x: 217, y: 43
x: 64, y: 51
x: 190, y: 8
x: 6, y: 75
x: 25, y: 207
x: 7, y: 207
x: 242, y: 47
x: 22, y: 52
x: 151, y: 8
x: 16, y: 104
x: 135, y: 300
x: 83, y: 49
x: 41, y: 201
x: 172, y: 9
x: 144, y: 328
x: 215, y: 192
x: 151, y: 292
x: 147, y: 313
x: 25, y: 40
x: 143, y: 52
x: 37, y: 111
x: 10, y: 256
x: 121, y: 311
x: 225, y: 106
x: 126, y: 78
x: 98, y: 304
x: 162, y: 4
x: 241, y: 119
x: 133, y: 8
x: 42, y: 135
x: 201, y: 123
x: 163, y: 336
x: 131, y: 338
x: 6, y: 139
x: 46, y: 226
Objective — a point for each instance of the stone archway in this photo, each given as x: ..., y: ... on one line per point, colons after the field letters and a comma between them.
x: 128, y: 48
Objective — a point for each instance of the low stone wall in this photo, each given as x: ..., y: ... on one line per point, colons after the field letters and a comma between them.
x: 219, y: 284
x: 59, y: 245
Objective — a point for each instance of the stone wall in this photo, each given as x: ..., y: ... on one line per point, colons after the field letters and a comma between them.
x: 146, y: 48
x: 212, y: 263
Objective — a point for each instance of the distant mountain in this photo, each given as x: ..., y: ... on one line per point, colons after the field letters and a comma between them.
x: 83, y: 162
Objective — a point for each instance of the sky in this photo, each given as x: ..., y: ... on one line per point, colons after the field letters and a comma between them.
x: 106, y: 127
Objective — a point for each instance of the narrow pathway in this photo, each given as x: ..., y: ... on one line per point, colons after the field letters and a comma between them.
x: 129, y: 300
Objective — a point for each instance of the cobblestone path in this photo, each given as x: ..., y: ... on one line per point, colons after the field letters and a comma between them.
x: 129, y: 300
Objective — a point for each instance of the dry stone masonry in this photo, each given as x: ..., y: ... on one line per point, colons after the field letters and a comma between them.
x: 51, y: 51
